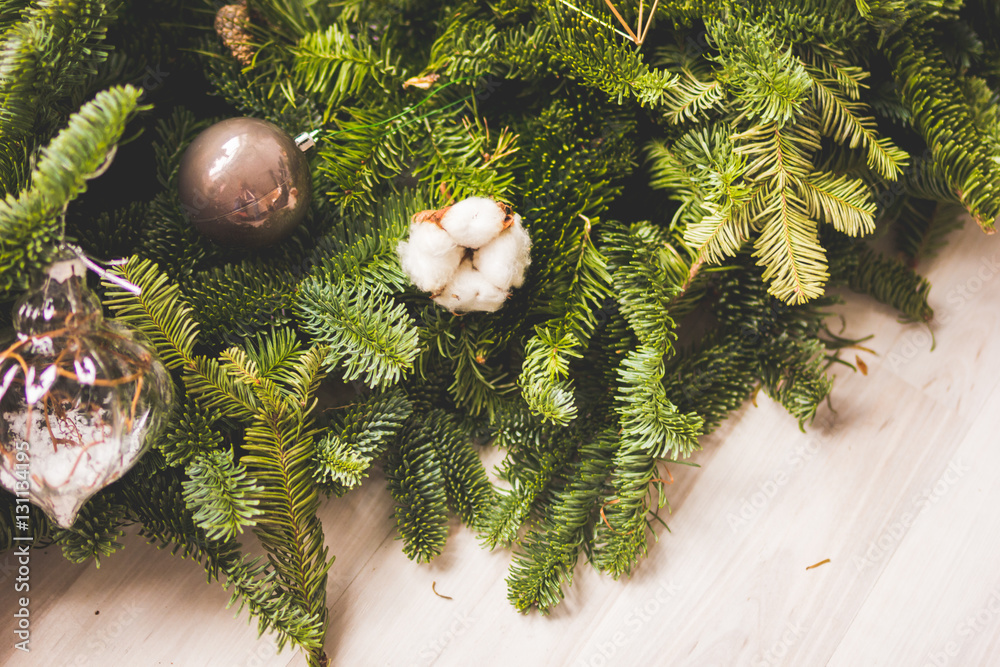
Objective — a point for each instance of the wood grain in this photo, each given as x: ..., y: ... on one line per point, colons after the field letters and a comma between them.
x: 893, y: 484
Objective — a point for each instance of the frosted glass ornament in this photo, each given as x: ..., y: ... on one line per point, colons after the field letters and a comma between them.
x: 80, y: 396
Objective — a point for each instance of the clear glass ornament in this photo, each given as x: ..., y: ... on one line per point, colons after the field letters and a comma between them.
x: 80, y: 396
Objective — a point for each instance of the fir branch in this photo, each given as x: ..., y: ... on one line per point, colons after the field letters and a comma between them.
x: 280, y: 443
x: 921, y: 228
x: 96, y: 531
x: 220, y: 494
x: 536, y: 453
x: 543, y: 380
x: 835, y: 94
x: 159, y: 312
x: 367, y: 332
x: 705, y: 171
x: 793, y: 373
x: 266, y: 91
x: 712, y: 379
x: 362, y: 245
x: 30, y: 222
x: 846, y: 203
x: 467, y: 347
x: 544, y: 374
x: 336, y: 64
x: 358, y: 435
x: 368, y: 151
x: 789, y: 245
x: 768, y: 81
x: 462, y: 159
x: 237, y: 301
x: 170, y: 239
x: 888, y: 280
x: 110, y: 233
x: 165, y: 319
x: 593, y: 56
x: 926, y: 179
x: 564, y: 180
x: 650, y: 422
x: 646, y: 274
x: 189, y: 433
x: 620, y: 538
x: 692, y: 98
x: 549, y: 552
x: 294, y: 18
x: 465, y: 46
x: 413, y: 470
x: 931, y: 89
x: 46, y: 55
x: 469, y: 491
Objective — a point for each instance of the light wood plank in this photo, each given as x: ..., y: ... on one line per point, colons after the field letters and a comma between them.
x: 938, y: 600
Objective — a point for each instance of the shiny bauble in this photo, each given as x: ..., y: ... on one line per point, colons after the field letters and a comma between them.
x: 244, y: 182
x: 80, y: 397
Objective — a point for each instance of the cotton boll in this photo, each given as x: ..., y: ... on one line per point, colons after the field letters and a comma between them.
x: 469, y: 290
x: 490, y: 298
x: 504, y: 260
x: 474, y: 222
x: 430, y: 257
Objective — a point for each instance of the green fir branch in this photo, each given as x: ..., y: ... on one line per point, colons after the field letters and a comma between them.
x: 598, y: 59
x: 96, y: 530
x: 931, y: 89
x: 30, y: 223
x: 413, y: 470
x: 219, y: 494
x: 548, y: 554
x: 357, y: 437
x: 369, y: 334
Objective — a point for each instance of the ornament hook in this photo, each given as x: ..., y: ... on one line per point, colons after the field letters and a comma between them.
x: 104, y: 273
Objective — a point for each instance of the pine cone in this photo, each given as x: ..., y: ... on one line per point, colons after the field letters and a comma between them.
x: 232, y: 22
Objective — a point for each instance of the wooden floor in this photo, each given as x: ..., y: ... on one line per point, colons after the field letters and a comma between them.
x: 897, y: 489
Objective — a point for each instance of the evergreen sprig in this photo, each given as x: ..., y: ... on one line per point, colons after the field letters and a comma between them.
x: 544, y: 563
x: 359, y: 435
x: 372, y: 336
x: 30, y: 222
x: 47, y: 53
x: 220, y: 494
x: 930, y: 88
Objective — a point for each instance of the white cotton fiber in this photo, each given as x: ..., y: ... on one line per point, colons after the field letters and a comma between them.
x: 469, y: 290
x: 503, y: 261
x: 465, y: 257
x: 474, y: 222
x: 430, y: 257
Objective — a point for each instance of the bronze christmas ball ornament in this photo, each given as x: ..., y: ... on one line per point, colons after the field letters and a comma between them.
x: 244, y: 182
